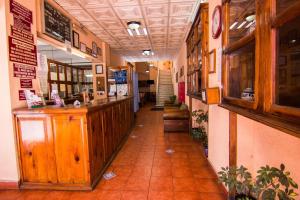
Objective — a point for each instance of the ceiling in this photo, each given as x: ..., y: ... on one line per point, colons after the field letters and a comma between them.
x: 167, y: 23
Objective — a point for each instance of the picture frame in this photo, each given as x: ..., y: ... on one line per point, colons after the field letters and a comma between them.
x: 99, y: 69
x: 99, y: 51
x: 212, y: 61
x: 94, y: 49
x: 75, y: 40
x: 83, y: 47
x: 181, y: 71
x: 176, y: 77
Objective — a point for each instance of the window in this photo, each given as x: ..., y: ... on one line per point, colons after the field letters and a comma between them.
x: 286, y: 48
x: 240, y: 50
x: 197, y: 44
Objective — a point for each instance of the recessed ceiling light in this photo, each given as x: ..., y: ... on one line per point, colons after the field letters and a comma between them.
x: 145, y: 31
x: 250, y: 18
x: 242, y: 24
x: 137, y: 31
x: 130, y: 32
x: 151, y: 65
x: 133, y: 25
x: 233, y: 25
x: 147, y: 71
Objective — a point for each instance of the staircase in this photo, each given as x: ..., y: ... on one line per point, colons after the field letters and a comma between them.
x: 164, y: 87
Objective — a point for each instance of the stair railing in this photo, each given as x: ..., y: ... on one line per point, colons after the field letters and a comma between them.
x: 157, y: 86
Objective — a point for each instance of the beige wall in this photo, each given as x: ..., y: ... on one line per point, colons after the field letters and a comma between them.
x: 116, y: 59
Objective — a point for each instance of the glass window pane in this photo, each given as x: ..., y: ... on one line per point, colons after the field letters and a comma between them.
x: 69, y: 74
x: 75, y: 79
x: 69, y: 90
x: 80, y: 75
x: 61, y: 70
x: 88, y: 76
x: 242, y: 72
x: 53, y: 72
x: 62, y: 92
x: 283, y: 4
x: 242, y: 19
x: 288, y: 65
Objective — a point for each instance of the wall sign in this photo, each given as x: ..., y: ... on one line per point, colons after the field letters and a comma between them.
x: 99, y: 69
x: 22, y: 52
x: 217, y: 22
x: 57, y: 25
x: 23, y: 71
x: 22, y: 96
x: 20, y: 11
x: 26, y: 83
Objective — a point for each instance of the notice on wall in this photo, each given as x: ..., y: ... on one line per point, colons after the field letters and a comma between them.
x: 20, y: 11
x: 26, y: 83
x: 22, y: 96
x: 23, y: 71
x: 22, y: 48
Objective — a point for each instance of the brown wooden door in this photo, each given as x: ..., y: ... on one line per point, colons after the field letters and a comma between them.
x: 36, y: 151
x: 71, y: 149
x: 96, y: 143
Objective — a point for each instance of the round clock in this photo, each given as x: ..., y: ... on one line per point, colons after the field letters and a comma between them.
x: 217, y: 22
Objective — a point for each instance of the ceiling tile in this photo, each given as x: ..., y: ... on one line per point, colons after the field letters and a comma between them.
x: 177, y: 29
x: 181, y: 9
x: 119, y: 32
x: 92, y: 26
x: 68, y: 4
x: 102, y: 13
x: 156, y: 10
x: 81, y: 15
x: 124, y: 2
x: 154, y: 1
x: 111, y: 24
x: 179, y: 21
x: 157, y: 30
x: 157, y: 22
x: 92, y: 4
x: 128, y: 12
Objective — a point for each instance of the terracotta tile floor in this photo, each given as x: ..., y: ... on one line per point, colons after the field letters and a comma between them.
x: 145, y: 171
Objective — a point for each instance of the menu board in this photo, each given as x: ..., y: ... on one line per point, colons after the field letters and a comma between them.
x: 57, y: 25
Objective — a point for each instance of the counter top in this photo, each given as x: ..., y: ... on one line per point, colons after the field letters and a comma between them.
x: 95, y: 105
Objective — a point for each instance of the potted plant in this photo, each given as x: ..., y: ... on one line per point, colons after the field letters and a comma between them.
x: 199, y: 132
x: 270, y: 183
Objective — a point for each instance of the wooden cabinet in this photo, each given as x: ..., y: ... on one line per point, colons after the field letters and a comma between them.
x: 69, y: 148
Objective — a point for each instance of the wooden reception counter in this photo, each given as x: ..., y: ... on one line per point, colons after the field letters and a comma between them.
x: 69, y: 148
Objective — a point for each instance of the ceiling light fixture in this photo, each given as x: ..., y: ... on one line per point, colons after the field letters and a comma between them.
x: 147, y: 52
x: 130, y: 32
x: 133, y: 25
x: 233, y: 25
x: 241, y: 25
x: 145, y: 31
x: 137, y: 31
x: 250, y: 24
x: 147, y: 71
x: 250, y: 17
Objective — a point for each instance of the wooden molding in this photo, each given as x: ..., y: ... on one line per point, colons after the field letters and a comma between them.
x: 232, y: 139
x: 9, y: 185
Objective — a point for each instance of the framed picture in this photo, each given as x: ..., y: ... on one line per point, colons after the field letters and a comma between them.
x: 94, y: 49
x: 176, y: 77
x: 181, y: 71
x: 212, y: 61
x: 83, y: 47
x: 76, y: 40
x: 99, y: 69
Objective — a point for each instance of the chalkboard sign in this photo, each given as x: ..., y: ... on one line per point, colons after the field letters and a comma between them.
x: 57, y: 25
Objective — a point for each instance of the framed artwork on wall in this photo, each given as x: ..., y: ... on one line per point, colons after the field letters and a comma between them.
x: 212, y: 61
x: 181, y: 71
x: 76, y: 42
x: 99, y: 69
x: 83, y: 47
x: 176, y: 77
x: 94, y: 49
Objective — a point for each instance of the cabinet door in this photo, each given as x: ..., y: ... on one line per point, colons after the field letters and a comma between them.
x: 108, y: 132
x: 96, y: 137
x: 71, y: 150
x: 36, y: 151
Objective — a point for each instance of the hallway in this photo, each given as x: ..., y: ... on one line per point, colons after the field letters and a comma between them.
x: 145, y: 171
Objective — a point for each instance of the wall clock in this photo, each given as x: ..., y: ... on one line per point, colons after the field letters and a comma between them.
x: 217, y: 22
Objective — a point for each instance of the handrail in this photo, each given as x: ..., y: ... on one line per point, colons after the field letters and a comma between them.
x: 157, y: 86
